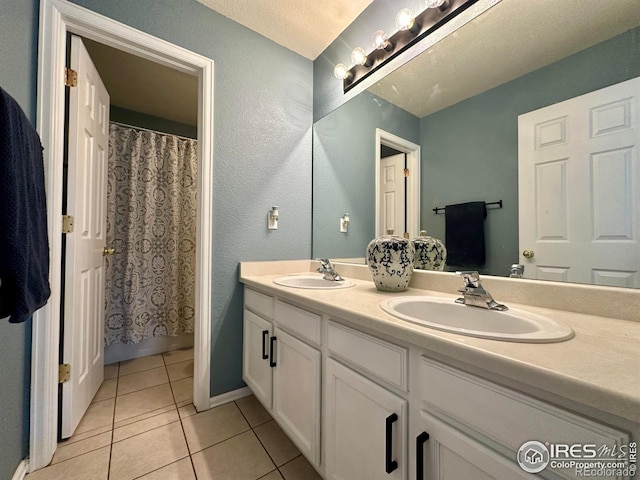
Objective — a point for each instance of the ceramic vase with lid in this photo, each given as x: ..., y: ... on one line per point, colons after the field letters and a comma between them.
x: 390, y: 259
x: 431, y: 254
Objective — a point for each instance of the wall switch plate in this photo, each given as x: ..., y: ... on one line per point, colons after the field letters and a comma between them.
x: 272, y: 218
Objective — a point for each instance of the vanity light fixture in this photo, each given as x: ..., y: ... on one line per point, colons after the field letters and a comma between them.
x: 381, y: 41
x: 359, y: 57
x: 441, y: 5
x: 405, y: 20
x: 344, y: 223
x: 272, y: 218
x: 411, y: 29
x: 341, y: 72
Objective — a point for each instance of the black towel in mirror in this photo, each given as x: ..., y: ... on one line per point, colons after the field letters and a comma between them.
x: 464, y: 234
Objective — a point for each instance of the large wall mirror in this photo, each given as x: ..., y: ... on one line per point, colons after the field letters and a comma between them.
x: 460, y: 101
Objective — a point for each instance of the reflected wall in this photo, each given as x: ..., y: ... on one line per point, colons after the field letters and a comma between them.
x: 469, y: 151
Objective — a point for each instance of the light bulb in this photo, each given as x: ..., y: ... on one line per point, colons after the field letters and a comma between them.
x: 440, y: 4
x: 341, y: 72
x: 380, y: 40
x: 359, y: 56
x: 405, y: 19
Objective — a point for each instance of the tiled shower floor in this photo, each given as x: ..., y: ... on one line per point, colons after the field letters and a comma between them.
x: 142, y: 424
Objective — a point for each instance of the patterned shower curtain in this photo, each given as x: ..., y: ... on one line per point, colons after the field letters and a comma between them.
x: 151, y: 223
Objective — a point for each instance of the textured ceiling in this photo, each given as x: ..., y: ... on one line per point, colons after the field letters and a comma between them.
x: 305, y: 26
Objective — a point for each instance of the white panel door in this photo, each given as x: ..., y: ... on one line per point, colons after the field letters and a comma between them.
x: 296, y: 393
x: 579, y: 188
x: 366, y: 428
x: 84, y: 278
x: 392, y: 194
x: 256, y: 361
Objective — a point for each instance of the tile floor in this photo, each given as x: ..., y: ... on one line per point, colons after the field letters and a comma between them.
x: 142, y: 425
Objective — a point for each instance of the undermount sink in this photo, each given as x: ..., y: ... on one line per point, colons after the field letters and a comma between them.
x: 312, y: 281
x: 444, y: 314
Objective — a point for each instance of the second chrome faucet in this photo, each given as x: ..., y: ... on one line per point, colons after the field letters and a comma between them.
x: 328, y: 270
x: 473, y: 294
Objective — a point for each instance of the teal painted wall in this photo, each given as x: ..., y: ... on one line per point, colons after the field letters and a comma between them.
x: 18, y: 56
x: 470, y: 150
x: 262, y: 152
x: 344, y: 174
x: 262, y: 157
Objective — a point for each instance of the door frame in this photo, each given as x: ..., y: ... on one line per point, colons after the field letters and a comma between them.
x: 412, y: 207
x: 57, y: 19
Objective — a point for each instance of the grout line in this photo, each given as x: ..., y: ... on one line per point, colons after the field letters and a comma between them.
x: 160, y: 468
x: 264, y: 447
x: 113, y: 423
x: 269, y: 473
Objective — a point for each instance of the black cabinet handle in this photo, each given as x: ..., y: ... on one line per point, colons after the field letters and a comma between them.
x: 265, y: 334
x: 420, y: 441
x: 390, y: 464
x: 272, y: 362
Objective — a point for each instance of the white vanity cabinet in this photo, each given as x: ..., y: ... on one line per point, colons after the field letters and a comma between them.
x: 366, y: 424
x: 445, y: 453
x: 256, y: 364
x: 388, y: 410
x: 470, y: 428
x: 257, y: 335
x: 366, y: 428
x: 281, y: 365
x: 296, y: 393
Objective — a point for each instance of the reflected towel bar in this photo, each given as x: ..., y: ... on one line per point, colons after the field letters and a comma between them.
x: 499, y: 203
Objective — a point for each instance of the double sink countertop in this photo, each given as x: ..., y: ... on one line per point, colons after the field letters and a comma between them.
x: 599, y: 368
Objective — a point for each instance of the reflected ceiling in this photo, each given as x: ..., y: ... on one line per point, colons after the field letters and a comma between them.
x: 555, y: 29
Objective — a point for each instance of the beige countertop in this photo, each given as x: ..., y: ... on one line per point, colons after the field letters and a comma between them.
x: 598, y: 368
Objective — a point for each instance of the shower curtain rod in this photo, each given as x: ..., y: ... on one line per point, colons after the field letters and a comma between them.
x: 150, y: 130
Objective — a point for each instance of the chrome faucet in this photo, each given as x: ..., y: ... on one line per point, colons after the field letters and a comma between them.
x: 328, y: 270
x: 516, y: 271
x: 475, y: 295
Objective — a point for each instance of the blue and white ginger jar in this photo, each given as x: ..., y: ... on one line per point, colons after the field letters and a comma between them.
x: 390, y: 259
x: 431, y: 254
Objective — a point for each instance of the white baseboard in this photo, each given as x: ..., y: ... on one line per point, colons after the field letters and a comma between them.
x: 230, y: 396
x: 21, y: 471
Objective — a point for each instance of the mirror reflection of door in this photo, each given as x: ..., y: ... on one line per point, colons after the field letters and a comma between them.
x: 397, y: 184
x: 393, y: 188
x: 578, y: 191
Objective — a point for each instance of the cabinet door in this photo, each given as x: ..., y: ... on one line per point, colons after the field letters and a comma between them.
x: 449, y: 454
x: 296, y: 393
x: 256, y: 369
x: 366, y: 428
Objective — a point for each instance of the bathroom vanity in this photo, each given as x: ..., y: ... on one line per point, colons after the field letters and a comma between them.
x: 365, y: 395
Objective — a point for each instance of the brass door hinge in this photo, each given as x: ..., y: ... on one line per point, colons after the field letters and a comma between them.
x: 70, y: 77
x: 67, y: 224
x: 406, y: 172
x: 64, y: 372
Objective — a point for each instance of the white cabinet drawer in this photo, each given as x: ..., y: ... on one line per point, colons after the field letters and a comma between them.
x: 385, y: 360
x: 503, y: 415
x: 305, y: 324
x: 259, y: 303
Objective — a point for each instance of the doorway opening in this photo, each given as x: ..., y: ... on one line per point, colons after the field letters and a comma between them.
x: 406, y: 204
x: 57, y: 19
